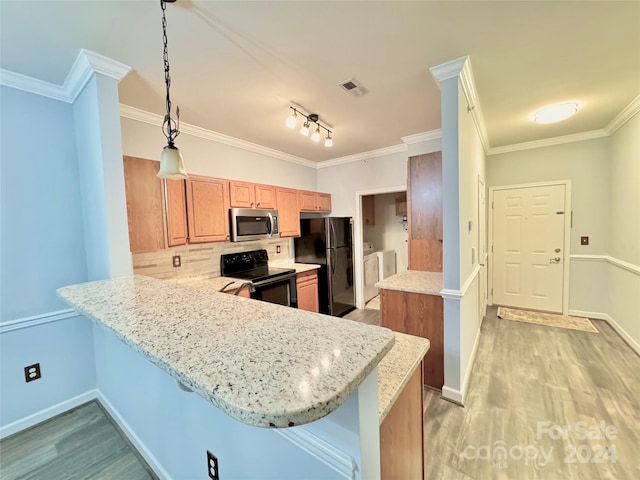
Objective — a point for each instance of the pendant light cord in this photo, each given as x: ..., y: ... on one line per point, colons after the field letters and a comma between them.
x: 170, y: 127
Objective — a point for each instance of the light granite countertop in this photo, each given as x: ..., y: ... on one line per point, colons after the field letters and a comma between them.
x: 414, y: 281
x: 250, y: 359
x: 298, y: 267
x: 396, y: 368
x: 211, y: 283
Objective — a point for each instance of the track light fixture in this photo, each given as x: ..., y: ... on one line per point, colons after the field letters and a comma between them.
x: 292, y: 121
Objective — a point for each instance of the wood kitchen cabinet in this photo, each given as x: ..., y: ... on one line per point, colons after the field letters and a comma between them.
x: 314, y: 201
x: 145, y: 212
x: 176, y: 212
x: 421, y: 315
x: 251, y: 195
x: 288, y: 212
x: 307, y: 289
x: 368, y: 210
x: 402, y: 436
x: 207, y: 209
x: 424, y: 205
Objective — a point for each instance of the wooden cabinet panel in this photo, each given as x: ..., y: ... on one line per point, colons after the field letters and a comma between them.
x: 424, y: 205
x: 307, y: 201
x: 145, y: 212
x: 266, y: 196
x: 324, y: 202
x: 401, y: 434
x: 421, y: 315
x: 176, y: 209
x: 207, y: 209
x: 289, y: 212
x: 368, y: 210
x: 241, y: 194
x: 307, y: 288
x: 401, y: 206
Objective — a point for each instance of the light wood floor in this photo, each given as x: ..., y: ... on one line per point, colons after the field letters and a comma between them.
x: 525, y: 374
x: 82, y: 443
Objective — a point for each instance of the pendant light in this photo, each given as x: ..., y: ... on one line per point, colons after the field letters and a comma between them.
x: 171, y: 162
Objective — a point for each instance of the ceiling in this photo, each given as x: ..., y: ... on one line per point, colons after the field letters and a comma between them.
x: 237, y: 66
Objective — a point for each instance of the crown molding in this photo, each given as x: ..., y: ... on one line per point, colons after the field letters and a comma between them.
x: 626, y: 114
x: 548, y: 142
x: 86, y: 64
x: 423, y: 137
x: 33, y: 85
x: 380, y: 152
x: 143, y: 116
x: 449, y: 69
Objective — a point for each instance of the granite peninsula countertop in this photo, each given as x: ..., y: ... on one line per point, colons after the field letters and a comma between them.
x: 396, y: 368
x: 250, y: 359
x: 414, y: 281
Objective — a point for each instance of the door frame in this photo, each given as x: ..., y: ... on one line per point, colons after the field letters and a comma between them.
x: 567, y: 236
x: 358, y: 239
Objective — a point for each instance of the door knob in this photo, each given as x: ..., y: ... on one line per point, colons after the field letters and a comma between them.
x: 557, y: 250
x: 554, y: 260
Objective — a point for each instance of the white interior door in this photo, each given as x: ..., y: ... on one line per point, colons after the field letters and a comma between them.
x: 482, y: 247
x: 528, y: 242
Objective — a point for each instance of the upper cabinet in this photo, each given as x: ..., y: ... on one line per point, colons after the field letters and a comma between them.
x: 314, y: 202
x: 251, y: 195
x: 288, y: 212
x: 176, y: 207
x: 368, y: 210
x: 207, y: 209
x: 424, y: 205
x: 145, y: 210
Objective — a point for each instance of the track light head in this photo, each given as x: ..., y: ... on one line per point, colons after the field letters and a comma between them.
x: 328, y: 142
x: 316, y: 135
x: 305, y: 129
x: 292, y: 120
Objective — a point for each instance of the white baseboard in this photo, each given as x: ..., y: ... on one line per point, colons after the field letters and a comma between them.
x: 615, y: 325
x: 133, y: 438
x: 47, y: 413
x: 452, y: 395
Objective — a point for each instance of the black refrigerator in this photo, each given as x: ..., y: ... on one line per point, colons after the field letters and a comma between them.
x: 327, y: 241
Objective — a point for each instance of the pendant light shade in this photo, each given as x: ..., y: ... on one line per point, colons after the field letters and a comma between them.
x: 172, y: 165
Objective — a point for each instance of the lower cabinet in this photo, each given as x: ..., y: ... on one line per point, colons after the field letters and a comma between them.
x: 401, y: 434
x: 421, y: 315
x: 307, y: 289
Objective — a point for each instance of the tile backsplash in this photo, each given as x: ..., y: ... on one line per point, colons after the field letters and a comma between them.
x: 203, y: 260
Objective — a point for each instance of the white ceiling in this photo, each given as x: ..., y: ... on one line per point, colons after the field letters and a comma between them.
x: 236, y: 66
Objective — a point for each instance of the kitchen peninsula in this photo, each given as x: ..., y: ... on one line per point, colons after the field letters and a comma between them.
x: 264, y: 365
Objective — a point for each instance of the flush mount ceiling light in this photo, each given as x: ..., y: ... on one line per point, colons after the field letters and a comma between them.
x: 555, y: 113
x: 171, y: 162
x: 292, y: 121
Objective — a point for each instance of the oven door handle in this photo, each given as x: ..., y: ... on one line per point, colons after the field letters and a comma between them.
x: 270, y: 232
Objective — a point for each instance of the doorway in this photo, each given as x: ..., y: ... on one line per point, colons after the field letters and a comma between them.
x: 529, y: 231
x: 377, y: 223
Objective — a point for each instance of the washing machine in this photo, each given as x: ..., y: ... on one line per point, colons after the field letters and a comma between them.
x: 386, y: 264
x: 371, y: 270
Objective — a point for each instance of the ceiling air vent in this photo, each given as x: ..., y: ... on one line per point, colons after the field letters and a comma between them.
x: 353, y: 87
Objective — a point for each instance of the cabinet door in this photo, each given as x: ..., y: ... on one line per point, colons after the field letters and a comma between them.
x: 266, y: 196
x: 176, y: 209
x: 324, y: 202
x: 289, y: 212
x: 424, y: 205
x: 207, y: 209
x: 307, y: 287
x: 145, y: 213
x: 368, y: 210
x: 241, y: 194
x: 308, y: 201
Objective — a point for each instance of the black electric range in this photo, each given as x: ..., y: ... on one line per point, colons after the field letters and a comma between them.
x: 274, y: 285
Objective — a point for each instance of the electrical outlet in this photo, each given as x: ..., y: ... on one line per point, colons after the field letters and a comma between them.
x: 32, y: 372
x: 212, y: 466
x: 277, y: 248
x: 176, y: 261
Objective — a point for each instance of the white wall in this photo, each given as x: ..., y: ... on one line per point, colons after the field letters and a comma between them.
x: 42, y: 249
x: 624, y: 284
x: 206, y: 157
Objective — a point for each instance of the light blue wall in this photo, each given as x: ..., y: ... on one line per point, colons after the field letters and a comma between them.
x: 42, y: 249
x: 41, y: 220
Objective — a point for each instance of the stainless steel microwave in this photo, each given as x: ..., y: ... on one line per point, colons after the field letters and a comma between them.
x: 253, y: 224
